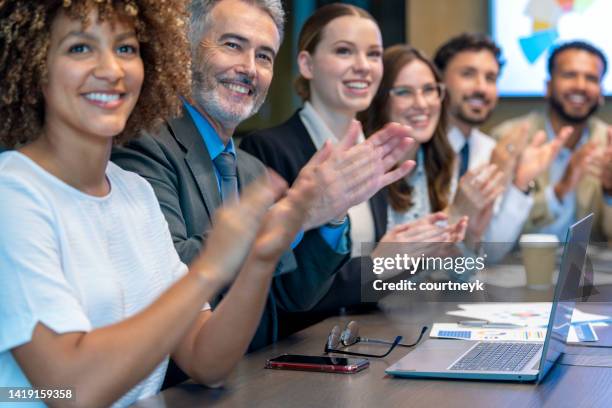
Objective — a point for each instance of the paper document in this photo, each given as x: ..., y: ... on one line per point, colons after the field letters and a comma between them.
x: 581, y: 332
x: 522, y: 314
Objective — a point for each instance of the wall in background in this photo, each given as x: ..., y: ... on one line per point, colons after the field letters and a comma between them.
x: 431, y: 22
x: 428, y: 23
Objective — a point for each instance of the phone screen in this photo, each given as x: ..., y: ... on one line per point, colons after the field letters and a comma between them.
x: 318, y: 360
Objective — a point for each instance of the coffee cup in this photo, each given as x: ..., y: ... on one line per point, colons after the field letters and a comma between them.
x: 539, y: 257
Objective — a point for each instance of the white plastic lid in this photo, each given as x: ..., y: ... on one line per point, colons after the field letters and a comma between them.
x: 539, y: 239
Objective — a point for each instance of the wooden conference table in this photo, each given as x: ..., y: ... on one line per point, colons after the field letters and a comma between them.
x: 250, y: 385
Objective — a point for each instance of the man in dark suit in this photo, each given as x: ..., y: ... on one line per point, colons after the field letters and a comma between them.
x: 234, y: 44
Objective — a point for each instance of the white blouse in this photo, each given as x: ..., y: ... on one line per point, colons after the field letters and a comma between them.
x: 360, y: 216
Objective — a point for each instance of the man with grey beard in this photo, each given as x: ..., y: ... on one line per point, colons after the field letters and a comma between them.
x: 579, y: 180
x: 193, y: 165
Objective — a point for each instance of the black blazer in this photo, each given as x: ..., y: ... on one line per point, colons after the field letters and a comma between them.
x: 177, y: 164
x: 286, y: 148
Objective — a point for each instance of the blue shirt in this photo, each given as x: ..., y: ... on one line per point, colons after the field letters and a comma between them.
x: 336, y: 238
x: 563, y: 211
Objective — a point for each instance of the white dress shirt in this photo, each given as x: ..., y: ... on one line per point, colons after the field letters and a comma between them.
x: 512, y: 209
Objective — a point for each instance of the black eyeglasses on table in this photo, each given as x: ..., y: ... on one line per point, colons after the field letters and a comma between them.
x: 350, y: 336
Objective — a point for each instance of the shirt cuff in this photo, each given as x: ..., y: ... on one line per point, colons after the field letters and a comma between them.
x: 607, y: 199
x: 516, y: 198
x: 297, y: 239
x: 336, y: 237
x: 555, y: 206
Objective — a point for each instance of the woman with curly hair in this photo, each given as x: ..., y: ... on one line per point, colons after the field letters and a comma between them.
x: 93, y: 296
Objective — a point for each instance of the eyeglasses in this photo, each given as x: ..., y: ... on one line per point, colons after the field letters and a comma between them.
x: 432, y: 93
x: 350, y: 336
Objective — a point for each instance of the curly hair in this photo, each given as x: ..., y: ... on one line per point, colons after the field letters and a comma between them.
x: 439, y: 154
x: 25, y: 27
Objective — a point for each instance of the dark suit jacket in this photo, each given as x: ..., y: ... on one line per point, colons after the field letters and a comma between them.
x: 286, y: 148
x: 177, y: 164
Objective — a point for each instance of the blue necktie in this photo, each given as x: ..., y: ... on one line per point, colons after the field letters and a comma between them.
x: 465, y: 158
x: 226, y: 166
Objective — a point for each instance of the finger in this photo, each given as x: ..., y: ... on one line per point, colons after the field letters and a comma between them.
x: 398, y: 153
x: 350, y: 138
x: 429, y: 219
x: 357, y: 156
x: 390, y: 131
x: 273, y: 182
x: 588, y: 148
x: 395, y: 140
x: 402, y: 228
x: 538, y: 139
x: 436, y: 217
x: 460, y: 229
x: 259, y: 196
x: 494, y: 186
x: 398, y: 173
x: 522, y: 137
x: 417, y: 228
x: 476, y: 171
x: 559, y: 141
x: 481, y: 177
x: 322, y: 154
x: 433, y: 234
x: 359, y: 167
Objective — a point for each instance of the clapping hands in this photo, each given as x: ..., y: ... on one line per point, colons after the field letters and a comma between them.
x: 349, y: 173
x: 426, y: 235
x: 255, y: 227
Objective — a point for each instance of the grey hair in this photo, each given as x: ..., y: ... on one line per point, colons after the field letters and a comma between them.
x: 200, y: 11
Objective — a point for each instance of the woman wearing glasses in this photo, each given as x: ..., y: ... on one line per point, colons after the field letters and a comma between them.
x: 93, y: 296
x: 340, y: 65
x: 412, y: 93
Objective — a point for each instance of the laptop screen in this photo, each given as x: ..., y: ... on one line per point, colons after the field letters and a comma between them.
x: 567, y: 292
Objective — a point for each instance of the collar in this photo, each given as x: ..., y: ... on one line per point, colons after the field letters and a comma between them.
x: 550, y: 133
x: 317, y: 129
x: 476, y: 139
x: 456, y: 138
x: 212, y: 140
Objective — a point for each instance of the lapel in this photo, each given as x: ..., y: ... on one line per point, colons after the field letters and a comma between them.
x: 378, y: 205
x: 244, y: 175
x: 198, y: 160
x: 589, y: 188
x: 538, y: 122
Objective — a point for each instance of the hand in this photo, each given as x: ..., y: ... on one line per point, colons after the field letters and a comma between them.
x: 477, y: 189
x: 537, y: 156
x: 478, y: 225
x: 508, y: 150
x: 349, y: 173
x: 606, y: 172
x: 283, y: 221
x: 236, y: 226
x: 425, y: 235
x: 587, y: 160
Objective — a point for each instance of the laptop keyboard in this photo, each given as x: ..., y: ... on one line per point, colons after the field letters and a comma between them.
x: 497, y: 357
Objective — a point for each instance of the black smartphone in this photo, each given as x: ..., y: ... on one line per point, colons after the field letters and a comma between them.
x: 318, y: 363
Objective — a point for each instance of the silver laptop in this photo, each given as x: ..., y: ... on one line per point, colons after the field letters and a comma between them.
x: 509, y: 361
